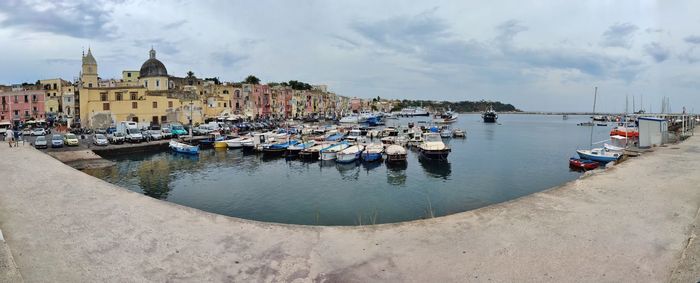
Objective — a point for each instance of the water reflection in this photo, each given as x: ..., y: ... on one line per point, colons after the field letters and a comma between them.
x: 348, y: 171
x: 396, y: 173
x: 436, y: 168
x: 368, y: 166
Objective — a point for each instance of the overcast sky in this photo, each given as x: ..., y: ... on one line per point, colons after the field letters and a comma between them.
x: 546, y: 55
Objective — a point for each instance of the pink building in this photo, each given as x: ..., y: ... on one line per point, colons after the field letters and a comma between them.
x: 22, y: 105
x: 356, y: 104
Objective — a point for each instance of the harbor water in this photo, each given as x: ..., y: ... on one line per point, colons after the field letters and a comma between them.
x: 519, y: 155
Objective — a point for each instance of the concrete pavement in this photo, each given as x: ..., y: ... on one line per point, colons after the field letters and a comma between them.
x: 631, y: 223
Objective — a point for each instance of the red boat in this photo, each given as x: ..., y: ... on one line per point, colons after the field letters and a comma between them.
x: 625, y: 132
x: 583, y: 164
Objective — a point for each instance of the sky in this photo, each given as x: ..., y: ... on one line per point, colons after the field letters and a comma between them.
x: 536, y: 55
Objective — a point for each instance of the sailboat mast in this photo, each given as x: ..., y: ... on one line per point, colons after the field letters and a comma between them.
x: 595, y: 97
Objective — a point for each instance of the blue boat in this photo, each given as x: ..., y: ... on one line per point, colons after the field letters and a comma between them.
x: 599, y: 154
x: 372, y: 152
x: 294, y: 150
x: 277, y: 148
x: 209, y: 142
x: 335, y: 137
x: 183, y: 148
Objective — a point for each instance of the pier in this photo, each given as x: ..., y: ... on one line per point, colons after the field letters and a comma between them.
x: 635, y: 222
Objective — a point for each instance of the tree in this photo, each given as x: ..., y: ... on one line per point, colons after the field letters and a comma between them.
x: 252, y: 80
x: 190, y: 74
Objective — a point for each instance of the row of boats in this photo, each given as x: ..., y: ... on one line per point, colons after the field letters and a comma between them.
x: 339, y: 146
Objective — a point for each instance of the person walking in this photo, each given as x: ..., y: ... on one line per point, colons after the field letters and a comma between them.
x: 9, y: 136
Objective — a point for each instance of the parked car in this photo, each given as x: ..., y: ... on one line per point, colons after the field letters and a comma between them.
x: 117, y: 138
x: 38, y: 132
x: 166, y: 133
x: 27, y: 132
x: 100, y: 139
x: 155, y: 134
x: 100, y: 131
x: 71, y: 140
x: 40, y: 142
x: 56, y: 141
x: 134, y: 135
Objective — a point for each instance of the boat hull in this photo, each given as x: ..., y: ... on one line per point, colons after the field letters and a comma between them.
x: 490, y: 119
x: 599, y: 158
x: 435, y: 154
x: 347, y: 158
x: 371, y: 156
x: 396, y: 158
x: 308, y: 155
x: 328, y: 156
x: 583, y: 164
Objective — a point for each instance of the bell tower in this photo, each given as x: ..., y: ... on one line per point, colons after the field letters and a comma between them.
x: 88, y: 76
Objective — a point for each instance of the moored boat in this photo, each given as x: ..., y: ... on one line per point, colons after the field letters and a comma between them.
x: 183, y: 147
x: 372, y: 152
x: 582, y: 164
x: 277, y: 149
x: 599, y: 154
x: 459, y: 133
x: 311, y: 153
x: 395, y: 154
x: 446, y: 133
x: 329, y: 152
x: 294, y: 150
x: 433, y: 148
x: 350, y: 154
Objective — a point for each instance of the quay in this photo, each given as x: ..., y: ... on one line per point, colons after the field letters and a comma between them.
x: 634, y: 222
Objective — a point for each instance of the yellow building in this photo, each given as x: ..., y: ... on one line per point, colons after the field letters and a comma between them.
x: 148, y: 102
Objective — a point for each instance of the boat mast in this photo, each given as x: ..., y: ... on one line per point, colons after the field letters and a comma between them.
x: 595, y: 96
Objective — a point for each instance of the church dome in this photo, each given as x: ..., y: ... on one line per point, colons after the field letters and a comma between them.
x: 153, y: 67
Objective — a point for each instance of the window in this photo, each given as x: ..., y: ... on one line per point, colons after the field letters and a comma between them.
x: 128, y: 75
x: 105, y: 106
x: 103, y: 96
x: 26, y: 113
x: 26, y: 98
x: 224, y: 104
x: 133, y: 96
x: 54, y: 86
x: 16, y: 99
x: 145, y: 83
x: 157, y: 83
x: 218, y: 104
x: 134, y: 105
x: 33, y: 97
x: 170, y: 104
x: 34, y: 109
x: 90, y: 85
x: 119, y: 97
x: 155, y: 104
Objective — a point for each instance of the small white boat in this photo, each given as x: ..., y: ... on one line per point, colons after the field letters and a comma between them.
x: 446, y: 133
x: 329, y: 153
x: 350, y: 119
x: 599, y: 154
x: 372, y: 152
x: 349, y: 154
x: 458, y: 133
x: 183, y: 148
x: 355, y: 135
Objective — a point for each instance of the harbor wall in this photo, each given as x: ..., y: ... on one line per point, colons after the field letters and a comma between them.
x: 634, y: 222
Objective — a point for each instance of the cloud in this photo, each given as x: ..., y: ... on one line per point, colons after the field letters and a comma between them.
x: 690, y: 56
x: 81, y: 19
x: 693, y: 39
x: 160, y: 45
x: 175, y: 25
x: 403, y: 33
x: 508, y: 30
x: 657, y: 52
x: 228, y: 59
x: 619, y: 35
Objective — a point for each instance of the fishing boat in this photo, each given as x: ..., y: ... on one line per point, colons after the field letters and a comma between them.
x: 582, y: 164
x: 433, y: 148
x: 372, y: 152
x: 446, y: 117
x: 395, y: 154
x: 350, y: 154
x: 237, y: 142
x: 209, y: 142
x: 459, y: 133
x: 311, y: 153
x: 294, y: 150
x: 277, y: 149
x: 256, y: 143
x: 329, y: 152
x: 490, y: 116
x: 334, y: 136
x: 183, y: 147
x: 446, y: 132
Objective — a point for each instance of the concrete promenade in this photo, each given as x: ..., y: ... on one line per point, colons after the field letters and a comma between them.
x: 633, y: 223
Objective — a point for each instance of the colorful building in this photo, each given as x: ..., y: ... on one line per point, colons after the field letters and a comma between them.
x: 19, y: 105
